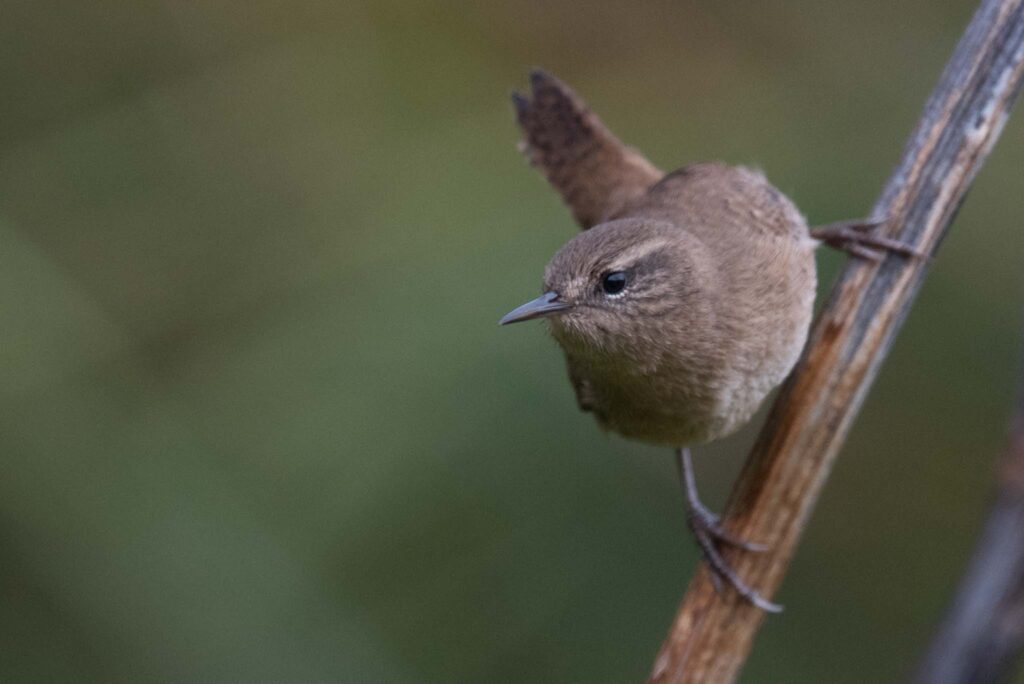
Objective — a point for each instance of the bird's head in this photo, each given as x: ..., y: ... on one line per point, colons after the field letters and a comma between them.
x: 620, y: 283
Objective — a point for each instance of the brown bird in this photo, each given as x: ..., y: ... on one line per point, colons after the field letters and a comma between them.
x: 686, y: 299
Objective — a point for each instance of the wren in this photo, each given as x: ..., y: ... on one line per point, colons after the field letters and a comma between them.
x: 686, y: 299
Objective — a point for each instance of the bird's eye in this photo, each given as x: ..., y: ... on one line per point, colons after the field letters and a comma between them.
x: 613, y: 283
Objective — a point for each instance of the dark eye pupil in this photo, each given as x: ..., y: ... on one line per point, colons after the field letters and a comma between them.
x: 613, y: 283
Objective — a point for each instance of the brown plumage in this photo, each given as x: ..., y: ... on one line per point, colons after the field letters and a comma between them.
x: 686, y: 299
x: 594, y: 172
x: 716, y: 307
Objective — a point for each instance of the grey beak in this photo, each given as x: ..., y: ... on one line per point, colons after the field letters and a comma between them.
x: 545, y: 305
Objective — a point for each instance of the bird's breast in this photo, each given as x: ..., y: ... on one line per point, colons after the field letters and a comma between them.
x: 651, y: 400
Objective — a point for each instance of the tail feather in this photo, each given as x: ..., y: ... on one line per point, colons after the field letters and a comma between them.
x: 594, y: 172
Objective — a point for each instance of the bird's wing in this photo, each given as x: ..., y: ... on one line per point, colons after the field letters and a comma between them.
x: 594, y: 172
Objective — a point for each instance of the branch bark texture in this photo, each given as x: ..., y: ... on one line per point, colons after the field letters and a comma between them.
x: 711, y: 636
x: 980, y: 640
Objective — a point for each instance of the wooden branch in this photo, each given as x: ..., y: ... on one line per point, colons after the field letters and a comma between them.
x: 712, y: 635
x: 981, y: 638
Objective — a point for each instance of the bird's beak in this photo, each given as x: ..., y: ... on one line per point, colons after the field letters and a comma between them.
x: 545, y: 305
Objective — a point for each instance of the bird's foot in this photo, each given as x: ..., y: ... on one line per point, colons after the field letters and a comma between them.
x: 856, y: 238
x: 711, y: 524
x: 711, y: 535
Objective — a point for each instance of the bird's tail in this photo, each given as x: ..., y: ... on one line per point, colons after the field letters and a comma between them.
x: 594, y: 172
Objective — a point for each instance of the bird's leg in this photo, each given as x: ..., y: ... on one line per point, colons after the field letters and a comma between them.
x: 855, y: 237
x: 709, y: 533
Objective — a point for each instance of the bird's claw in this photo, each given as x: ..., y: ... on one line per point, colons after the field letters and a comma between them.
x: 711, y: 524
x: 709, y: 535
x: 856, y: 238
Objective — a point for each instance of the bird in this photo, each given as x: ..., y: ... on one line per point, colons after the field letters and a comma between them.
x: 685, y: 299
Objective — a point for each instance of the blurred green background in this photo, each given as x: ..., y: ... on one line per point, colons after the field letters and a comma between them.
x: 258, y: 420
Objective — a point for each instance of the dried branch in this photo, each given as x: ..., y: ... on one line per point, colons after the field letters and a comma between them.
x: 981, y: 638
x: 772, y: 500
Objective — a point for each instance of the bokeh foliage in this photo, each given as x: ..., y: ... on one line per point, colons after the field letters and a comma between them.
x: 258, y: 422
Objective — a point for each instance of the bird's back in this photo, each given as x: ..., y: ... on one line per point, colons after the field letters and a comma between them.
x: 721, y: 202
